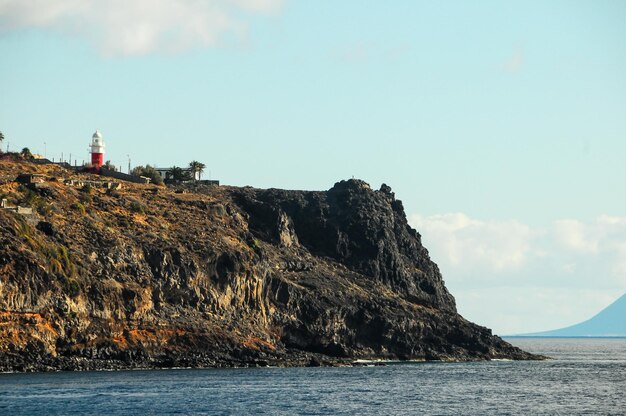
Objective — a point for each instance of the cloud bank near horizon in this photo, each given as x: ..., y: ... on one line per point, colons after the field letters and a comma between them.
x: 137, y: 27
x: 497, y: 251
x: 557, y: 275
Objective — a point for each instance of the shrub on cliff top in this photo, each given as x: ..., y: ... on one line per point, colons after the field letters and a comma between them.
x: 77, y: 206
x: 137, y: 207
x: 149, y: 172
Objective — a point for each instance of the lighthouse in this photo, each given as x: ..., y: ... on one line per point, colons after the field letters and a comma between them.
x: 97, y: 150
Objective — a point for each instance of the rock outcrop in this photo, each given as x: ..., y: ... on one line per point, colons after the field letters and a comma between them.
x: 148, y: 277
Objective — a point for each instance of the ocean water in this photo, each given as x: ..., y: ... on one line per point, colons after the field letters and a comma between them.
x: 586, y: 376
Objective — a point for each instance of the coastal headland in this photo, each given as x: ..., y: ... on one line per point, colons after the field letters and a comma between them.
x: 97, y: 273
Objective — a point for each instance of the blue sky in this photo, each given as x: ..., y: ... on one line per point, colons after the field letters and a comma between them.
x: 501, y: 125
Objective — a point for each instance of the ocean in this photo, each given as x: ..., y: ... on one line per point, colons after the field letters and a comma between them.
x: 585, y: 376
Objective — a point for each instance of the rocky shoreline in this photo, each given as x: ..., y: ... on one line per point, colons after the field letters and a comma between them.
x: 139, y: 276
x: 35, y: 363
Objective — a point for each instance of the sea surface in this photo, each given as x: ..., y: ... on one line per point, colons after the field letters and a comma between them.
x: 585, y: 376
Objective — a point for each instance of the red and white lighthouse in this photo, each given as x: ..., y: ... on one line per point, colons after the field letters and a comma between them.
x: 97, y: 150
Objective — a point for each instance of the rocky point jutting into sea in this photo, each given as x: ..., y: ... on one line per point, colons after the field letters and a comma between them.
x: 142, y: 276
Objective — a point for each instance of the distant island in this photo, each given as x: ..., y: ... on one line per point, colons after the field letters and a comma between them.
x: 610, y: 322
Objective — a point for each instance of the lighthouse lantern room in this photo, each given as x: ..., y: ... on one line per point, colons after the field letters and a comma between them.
x: 97, y: 150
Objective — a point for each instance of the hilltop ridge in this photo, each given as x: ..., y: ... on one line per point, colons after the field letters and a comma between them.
x: 139, y: 276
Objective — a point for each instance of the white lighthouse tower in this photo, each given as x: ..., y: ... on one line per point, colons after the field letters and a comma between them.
x: 97, y: 150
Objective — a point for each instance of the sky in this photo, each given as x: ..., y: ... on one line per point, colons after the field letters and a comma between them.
x: 500, y: 125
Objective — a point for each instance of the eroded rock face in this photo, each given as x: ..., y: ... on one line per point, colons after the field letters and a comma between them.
x: 223, y: 277
x: 364, y: 230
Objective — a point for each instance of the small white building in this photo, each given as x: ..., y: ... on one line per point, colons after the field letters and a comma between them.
x: 165, y: 172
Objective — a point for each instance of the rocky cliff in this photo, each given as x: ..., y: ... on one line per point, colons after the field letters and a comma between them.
x: 144, y: 276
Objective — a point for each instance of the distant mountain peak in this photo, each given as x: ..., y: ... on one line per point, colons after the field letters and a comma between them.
x: 609, y: 322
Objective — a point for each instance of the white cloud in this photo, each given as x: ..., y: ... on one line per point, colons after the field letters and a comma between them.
x: 575, y: 236
x: 129, y: 27
x: 517, y: 278
x: 604, y: 238
x: 467, y: 243
x: 500, y: 248
x: 619, y: 267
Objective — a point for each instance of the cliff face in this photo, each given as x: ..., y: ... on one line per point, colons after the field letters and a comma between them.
x: 146, y: 277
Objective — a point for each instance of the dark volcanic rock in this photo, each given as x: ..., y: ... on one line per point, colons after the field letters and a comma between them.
x: 224, y: 277
x: 365, y: 230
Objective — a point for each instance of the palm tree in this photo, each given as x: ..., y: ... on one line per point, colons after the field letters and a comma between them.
x: 26, y: 153
x: 1, y: 137
x: 196, y: 169
x: 110, y: 166
x: 175, y: 174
